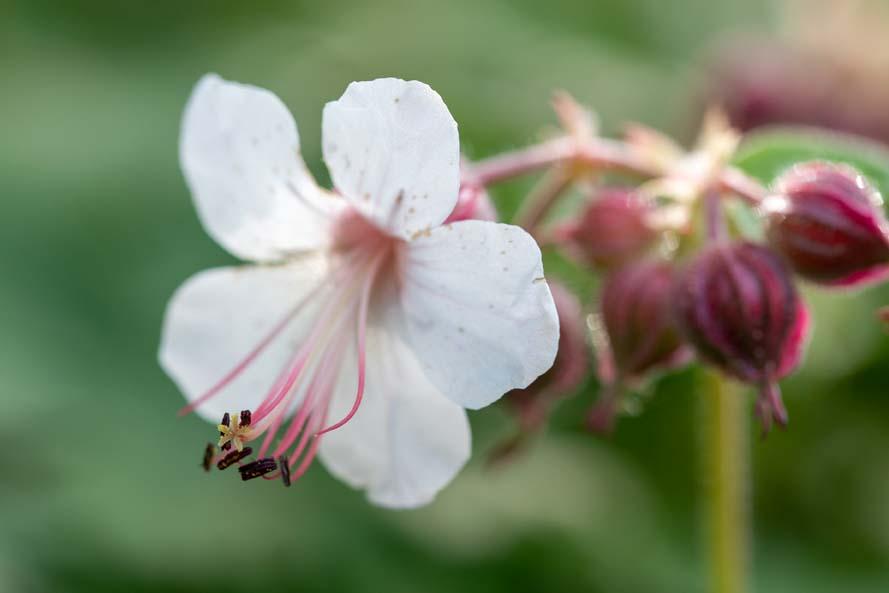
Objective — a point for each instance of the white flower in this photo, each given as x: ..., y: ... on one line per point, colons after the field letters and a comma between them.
x: 365, y: 319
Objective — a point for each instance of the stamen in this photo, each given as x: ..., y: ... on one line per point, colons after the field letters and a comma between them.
x: 285, y: 470
x: 362, y: 330
x: 233, y: 457
x: 209, y: 454
x: 257, y: 350
x: 258, y: 468
x: 307, y: 460
x: 307, y: 404
x: 317, y: 361
x: 313, y: 412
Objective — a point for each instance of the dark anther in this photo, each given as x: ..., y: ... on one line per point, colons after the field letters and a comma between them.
x: 209, y: 453
x: 285, y: 469
x: 233, y: 457
x: 245, y: 417
x: 258, y: 468
x: 227, y: 445
x: 226, y: 421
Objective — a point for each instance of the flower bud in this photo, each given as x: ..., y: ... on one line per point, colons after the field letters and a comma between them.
x: 827, y: 221
x: 532, y: 404
x: 641, y: 334
x: 473, y: 203
x: 737, y: 305
x: 613, y: 229
x: 638, y: 317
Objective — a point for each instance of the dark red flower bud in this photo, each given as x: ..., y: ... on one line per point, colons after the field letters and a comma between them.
x: 613, y: 229
x: 737, y: 305
x: 828, y: 222
x: 637, y: 315
x: 532, y: 404
x: 638, y: 319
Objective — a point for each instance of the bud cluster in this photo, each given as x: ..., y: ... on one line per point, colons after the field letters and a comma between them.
x: 679, y: 283
x: 731, y: 303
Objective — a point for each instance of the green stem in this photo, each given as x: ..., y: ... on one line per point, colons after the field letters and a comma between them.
x: 725, y: 445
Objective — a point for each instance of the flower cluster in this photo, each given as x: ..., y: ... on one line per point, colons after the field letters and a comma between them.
x: 373, y: 314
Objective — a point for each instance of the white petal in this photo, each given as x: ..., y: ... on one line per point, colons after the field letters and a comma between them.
x: 239, y: 151
x: 407, y: 441
x: 219, y: 316
x: 478, y: 311
x: 393, y: 151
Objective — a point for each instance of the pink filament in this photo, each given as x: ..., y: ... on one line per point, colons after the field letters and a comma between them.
x: 362, y: 355
x: 271, y: 401
x: 321, y: 380
x: 316, y: 417
x: 256, y: 351
x: 306, y: 428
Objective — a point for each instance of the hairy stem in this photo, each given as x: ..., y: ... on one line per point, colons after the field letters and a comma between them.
x: 725, y: 450
x: 598, y: 154
x: 542, y: 199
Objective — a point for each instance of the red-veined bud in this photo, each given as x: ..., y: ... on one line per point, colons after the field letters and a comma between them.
x: 737, y: 305
x: 828, y: 223
x: 641, y: 335
x: 532, y: 404
x: 613, y: 229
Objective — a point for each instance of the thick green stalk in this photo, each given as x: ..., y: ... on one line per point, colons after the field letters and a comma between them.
x: 725, y: 447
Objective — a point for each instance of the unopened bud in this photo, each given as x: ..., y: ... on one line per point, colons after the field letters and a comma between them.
x: 613, y: 229
x: 642, y: 336
x: 737, y: 305
x: 638, y: 317
x: 828, y: 223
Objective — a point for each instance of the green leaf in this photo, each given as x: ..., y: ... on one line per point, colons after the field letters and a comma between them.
x: 767, y: 153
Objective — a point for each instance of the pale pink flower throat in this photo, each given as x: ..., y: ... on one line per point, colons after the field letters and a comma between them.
x: 304, y: 388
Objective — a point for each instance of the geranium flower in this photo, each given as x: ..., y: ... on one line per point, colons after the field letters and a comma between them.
x: 364, y: 325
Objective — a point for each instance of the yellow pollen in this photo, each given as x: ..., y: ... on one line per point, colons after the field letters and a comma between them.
x: 234, y: 433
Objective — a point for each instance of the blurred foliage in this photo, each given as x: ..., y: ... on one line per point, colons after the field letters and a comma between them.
x: 768, y: 152
x: 101, y: 489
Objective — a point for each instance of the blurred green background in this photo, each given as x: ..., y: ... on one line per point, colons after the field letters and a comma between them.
x: 100, y: 488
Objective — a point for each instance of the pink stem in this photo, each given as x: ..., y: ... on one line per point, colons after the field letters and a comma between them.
x: 598, y: 153
x: 542, y: 199
x: 512, y: 164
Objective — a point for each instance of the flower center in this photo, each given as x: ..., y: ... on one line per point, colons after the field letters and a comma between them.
x: 305, y: 386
